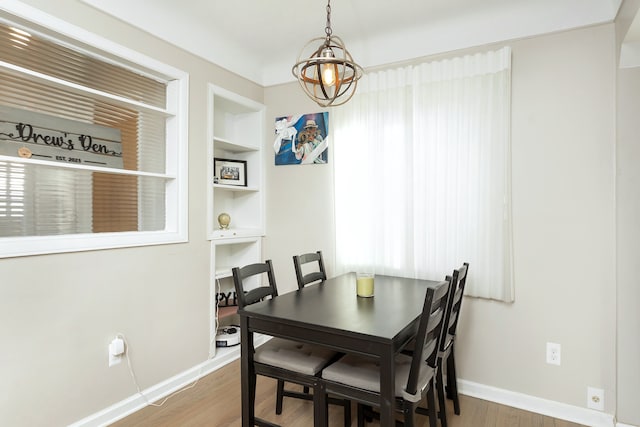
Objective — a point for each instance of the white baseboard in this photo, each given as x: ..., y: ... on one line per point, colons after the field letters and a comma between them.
x: 550, y: 408
x: 154, y: 393
x: 576, y: 414
x: 136, y: 402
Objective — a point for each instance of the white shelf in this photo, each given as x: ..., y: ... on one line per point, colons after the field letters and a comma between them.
x: 235, y: 131
x: 235, y: 187
x: 232, y: 147
x: 222, y: 272
x: 235, y: 233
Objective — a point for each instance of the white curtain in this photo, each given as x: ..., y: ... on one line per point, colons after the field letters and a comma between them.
x: 422, y: 173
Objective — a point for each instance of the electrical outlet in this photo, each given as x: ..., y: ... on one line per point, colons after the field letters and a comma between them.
x: 116, y: 351
x: 595, y: 398
x: 553, y: 353
x: 114, y: 360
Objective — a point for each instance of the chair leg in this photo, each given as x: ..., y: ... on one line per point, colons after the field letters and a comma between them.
x: 369, y: 415
x: 408, y: 409
x: 449, y: 387
x: 431, y: 408
x: 347, y: 413
x: 320, y: 404
x: 360, y: 415
x: 441, y: 400
x: 452, y: 381
x: 279, y: 396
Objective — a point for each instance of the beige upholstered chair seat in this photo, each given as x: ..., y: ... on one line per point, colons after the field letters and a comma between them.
x: 364, y: 373
x: 294, y: 356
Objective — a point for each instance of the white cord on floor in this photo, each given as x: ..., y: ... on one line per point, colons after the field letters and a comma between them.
x: 190, y: 386
x: 135, y: 380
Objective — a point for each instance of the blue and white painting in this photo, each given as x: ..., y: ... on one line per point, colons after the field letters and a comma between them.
x: 302, y: 139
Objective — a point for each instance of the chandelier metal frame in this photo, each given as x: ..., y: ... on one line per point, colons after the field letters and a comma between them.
x: 333, y: 58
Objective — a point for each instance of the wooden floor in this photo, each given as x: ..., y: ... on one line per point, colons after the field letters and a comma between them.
x: 215, y: 402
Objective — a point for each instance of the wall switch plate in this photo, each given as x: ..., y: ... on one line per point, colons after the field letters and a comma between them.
x: 595, y: 398
x: 553, y: 353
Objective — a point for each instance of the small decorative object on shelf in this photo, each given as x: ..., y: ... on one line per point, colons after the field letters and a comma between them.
x: 230, y: 172
x: 224, y: 220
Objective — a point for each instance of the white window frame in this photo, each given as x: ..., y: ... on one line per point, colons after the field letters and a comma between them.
x: 176, y: 196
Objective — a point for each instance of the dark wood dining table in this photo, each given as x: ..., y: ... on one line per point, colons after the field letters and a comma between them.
x: 332, y: 315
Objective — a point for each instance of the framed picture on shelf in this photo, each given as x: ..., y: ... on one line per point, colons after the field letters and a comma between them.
x: 230, y: 172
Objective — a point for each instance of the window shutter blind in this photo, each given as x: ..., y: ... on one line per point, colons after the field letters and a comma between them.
x: 39, y: 200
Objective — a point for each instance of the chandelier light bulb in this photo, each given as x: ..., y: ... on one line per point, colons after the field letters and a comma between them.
x: 328, y: 70
x: 328, y: 75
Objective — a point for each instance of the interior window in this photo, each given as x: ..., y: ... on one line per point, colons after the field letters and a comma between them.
x: 83, y: 143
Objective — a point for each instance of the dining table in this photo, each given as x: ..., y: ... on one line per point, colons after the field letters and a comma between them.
x: 331, y: 314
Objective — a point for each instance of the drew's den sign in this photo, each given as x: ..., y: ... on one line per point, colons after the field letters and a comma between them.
x: 40, y: 136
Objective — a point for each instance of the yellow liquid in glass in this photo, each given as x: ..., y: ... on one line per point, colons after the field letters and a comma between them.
x: 364, y: 286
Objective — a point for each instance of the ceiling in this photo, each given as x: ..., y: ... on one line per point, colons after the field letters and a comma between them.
x: 261, y: 39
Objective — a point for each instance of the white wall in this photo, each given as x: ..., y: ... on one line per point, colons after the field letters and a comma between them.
x: 563, y: 129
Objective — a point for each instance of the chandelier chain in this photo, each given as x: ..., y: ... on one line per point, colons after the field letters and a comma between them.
x: 327, y: 29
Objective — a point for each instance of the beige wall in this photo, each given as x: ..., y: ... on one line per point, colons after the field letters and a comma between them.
x: 563, y: 100
x: 59, y: 312
x: 299, y: 201
x: 563, y: 91
x: 628, y: 247
x: 628, y: 232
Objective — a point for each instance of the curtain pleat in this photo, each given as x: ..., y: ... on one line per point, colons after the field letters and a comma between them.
x: 422, y: 173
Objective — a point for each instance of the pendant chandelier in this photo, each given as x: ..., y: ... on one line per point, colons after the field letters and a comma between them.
x: 328, y: 75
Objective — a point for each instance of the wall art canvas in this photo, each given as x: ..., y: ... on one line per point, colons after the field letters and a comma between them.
x: 302, y: 139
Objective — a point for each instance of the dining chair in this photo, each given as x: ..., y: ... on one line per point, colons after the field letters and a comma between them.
x: 358, y: 378
x: 446, y: 355
x: 317, y: 275
x: 303, y: 264
x: 278, y: 358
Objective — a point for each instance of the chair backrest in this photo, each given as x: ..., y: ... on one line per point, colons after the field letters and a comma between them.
x: 429, y: 333
x: 459, y: 279
x: 241, y: 275
x: 315, y: 276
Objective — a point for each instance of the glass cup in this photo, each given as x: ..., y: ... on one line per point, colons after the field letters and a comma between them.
x: 364, y: 284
